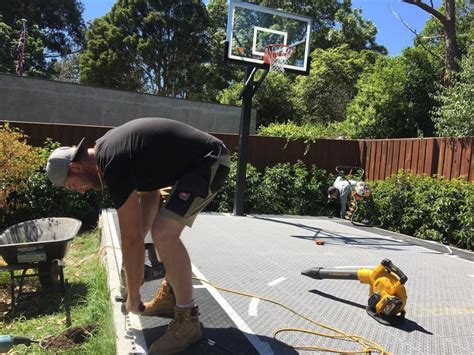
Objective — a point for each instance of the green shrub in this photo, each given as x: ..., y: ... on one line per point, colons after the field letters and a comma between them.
x: 276, y: 191
x: 293, y: 189
x: 308, y: 132
x: 281, y: 189
x: 17, y: 160
x: 224, y: 201
x: 367, y: 210
x: 424, y: 207
x: 39, y: 198
x: 42, y: 199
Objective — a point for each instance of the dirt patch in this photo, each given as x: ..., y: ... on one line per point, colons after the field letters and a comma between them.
x: 69, y: 338
x: 5, y: 298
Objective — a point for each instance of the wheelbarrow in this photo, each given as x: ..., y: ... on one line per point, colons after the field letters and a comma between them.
x: 39, y: 244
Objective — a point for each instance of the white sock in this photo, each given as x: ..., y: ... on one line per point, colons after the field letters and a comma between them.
x: 189, y: 305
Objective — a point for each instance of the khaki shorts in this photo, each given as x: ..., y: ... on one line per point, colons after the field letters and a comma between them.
x: 193, y: 192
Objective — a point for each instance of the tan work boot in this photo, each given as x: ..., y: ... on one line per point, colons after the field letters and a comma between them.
x: 183, y: 331
x: 162, y: 304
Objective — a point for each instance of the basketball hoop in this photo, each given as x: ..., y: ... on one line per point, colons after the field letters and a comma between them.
x: 277, y: 55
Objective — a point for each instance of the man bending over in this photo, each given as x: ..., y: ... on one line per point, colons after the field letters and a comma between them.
x: 134, y: 161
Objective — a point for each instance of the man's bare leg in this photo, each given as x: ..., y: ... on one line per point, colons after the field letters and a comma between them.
x: 149, y: 207
x: 185, y: 329
x: 163, y: 302
x: 166, y: 234
x: 150, y: 203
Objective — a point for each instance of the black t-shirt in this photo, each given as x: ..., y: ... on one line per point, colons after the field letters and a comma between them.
x: 149, y: 153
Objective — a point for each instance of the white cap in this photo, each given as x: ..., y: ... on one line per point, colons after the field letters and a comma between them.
x: 58, y: 163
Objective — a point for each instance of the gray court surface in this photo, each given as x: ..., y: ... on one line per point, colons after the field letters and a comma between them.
x: 264, y: 255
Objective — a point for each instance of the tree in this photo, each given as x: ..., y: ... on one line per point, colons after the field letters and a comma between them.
x: 431, y: 37
x: 272, y: 100
x: 7, y: 48
x: 448, y: 21
x: 110, y: 57
x: 334, y: 23
x: 450, y: 106
x: 158, y: 47
x: 34, y: 61
x: 422, y: 81
x: 394, y: 99
x: 324, y: 94
x: 54, y: 28
x: 354, y: 31
x: 67, y: 69
x: 215, y: 75
x: 455, y: 115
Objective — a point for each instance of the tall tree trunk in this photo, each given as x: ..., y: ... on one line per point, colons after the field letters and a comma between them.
x: 448, y: 21
x: 450, y: 43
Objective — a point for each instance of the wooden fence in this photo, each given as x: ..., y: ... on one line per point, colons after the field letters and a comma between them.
x: 448, y: 157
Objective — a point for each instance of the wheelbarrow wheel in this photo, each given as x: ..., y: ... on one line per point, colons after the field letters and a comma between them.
x: 48, y: 275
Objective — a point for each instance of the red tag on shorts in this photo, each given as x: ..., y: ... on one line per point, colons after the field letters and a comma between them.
x: 184, y: 195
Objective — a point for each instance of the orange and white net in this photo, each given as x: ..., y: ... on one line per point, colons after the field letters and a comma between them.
x: 277, y: 56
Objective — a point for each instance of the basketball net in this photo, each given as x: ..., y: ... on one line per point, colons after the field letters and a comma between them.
x: 277, y: 55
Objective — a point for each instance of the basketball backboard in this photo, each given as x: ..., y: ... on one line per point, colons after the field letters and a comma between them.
x: 251, y: 27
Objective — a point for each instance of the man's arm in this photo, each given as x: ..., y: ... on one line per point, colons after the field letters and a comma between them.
x: 133, y: 249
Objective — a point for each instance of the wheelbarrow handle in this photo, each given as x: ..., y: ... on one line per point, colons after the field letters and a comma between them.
x: 341, y: 168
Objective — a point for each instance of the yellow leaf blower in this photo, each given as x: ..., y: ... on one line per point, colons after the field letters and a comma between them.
x: 387, y: 294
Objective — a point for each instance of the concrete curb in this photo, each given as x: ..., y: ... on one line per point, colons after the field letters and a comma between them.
x: 128, y: 334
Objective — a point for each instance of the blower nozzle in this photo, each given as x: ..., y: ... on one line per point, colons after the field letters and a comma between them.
x: 313, y: 273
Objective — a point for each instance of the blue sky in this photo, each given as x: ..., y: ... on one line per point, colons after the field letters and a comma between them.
x: 391, y: 32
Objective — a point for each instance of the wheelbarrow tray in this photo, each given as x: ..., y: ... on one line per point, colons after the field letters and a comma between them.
x: 38, y: 240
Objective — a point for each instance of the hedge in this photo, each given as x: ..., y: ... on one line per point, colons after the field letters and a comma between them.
x: 422, y: 206
x: 280, y: 189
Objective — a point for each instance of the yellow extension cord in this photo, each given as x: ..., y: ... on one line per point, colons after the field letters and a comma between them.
x: 367, y: 345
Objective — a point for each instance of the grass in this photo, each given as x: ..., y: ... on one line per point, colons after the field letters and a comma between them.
x: 45, y: 314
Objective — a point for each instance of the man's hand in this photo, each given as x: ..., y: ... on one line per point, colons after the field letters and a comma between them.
x: 134, y: 305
